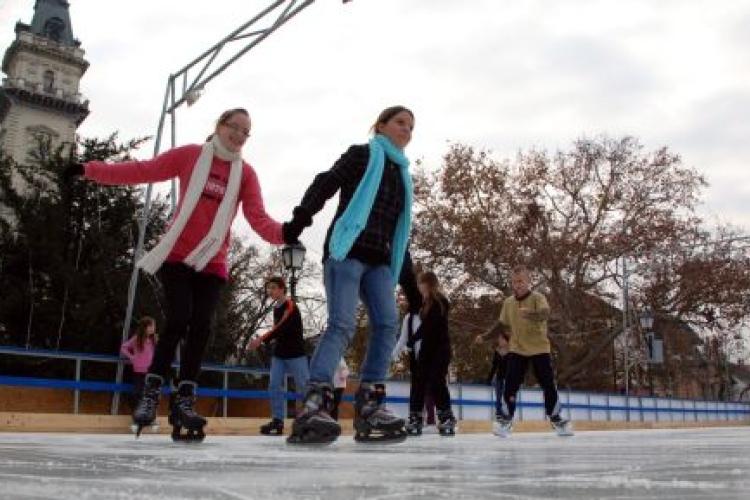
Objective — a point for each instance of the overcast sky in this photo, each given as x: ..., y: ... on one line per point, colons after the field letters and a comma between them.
x: 497, y: 74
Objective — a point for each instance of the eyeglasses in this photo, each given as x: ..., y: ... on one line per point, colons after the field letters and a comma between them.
x: 237, y: 129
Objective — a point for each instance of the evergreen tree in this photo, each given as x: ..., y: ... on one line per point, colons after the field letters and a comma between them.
x: 66, y: 251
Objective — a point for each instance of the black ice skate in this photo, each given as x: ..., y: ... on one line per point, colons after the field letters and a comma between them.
x: 372, y: 421
x: 563, y: 428
x: 414, y: 426
x: 275, y: 426
x: 182, y: 414
x: 446, y: 423
x: 315, y: 425
x: 148, y: 406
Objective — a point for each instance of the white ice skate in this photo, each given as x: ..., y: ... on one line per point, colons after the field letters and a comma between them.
x: 502, y: 427
x: 154, y: 428
x: 562, y: 427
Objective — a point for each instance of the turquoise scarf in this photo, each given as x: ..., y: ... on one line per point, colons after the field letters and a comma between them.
x: 354, y: 219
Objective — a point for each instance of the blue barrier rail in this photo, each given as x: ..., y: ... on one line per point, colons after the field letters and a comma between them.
x: 730, y: 411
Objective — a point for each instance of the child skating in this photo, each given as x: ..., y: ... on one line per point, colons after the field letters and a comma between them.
x: 430, y: 371
x: 525, y: 316
x: 288, y: 352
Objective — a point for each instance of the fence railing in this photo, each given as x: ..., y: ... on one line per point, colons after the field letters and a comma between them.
x: 470, y: 401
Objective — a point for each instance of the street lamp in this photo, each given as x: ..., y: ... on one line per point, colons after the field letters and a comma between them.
x: 647, y: 319
x: 293, y: 257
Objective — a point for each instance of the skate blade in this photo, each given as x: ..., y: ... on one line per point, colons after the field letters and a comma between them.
x: 309, y: 440
x: 379, y: 438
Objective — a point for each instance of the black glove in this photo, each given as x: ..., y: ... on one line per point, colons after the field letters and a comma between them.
x: 293, y: 229
x: 290, y: 232
x: 72, y: 171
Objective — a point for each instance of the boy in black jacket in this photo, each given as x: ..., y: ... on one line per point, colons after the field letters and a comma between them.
x: 288, y: 352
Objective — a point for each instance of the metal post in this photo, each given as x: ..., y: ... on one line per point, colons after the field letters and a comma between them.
x: 626, y: 332
x: 77, y: 392
x: 293, y: 285
x: 225, y: 399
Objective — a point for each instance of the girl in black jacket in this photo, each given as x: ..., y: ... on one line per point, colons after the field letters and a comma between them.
x: 434, y: 358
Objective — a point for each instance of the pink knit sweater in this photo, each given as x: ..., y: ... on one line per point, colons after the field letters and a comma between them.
x: 141, y: 359
x: 179, y: 162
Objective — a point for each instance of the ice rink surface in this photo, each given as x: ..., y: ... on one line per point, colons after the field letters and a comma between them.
x: 675, y: 464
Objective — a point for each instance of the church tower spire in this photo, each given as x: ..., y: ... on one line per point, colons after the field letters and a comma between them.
x: 40, y: 97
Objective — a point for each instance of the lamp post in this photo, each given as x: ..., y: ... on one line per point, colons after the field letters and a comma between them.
x: 647, y: 324
x: 293, y: 257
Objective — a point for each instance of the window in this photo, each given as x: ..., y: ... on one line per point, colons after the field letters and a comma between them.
x: 54, y: 28
x: 49, y: 81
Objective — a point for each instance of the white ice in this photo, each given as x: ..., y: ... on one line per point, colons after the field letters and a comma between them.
x: 664, y: 464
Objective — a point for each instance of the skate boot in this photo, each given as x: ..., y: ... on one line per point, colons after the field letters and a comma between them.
x: 502, y: 426
x: 148, y: 406
x: 182, y: 414
x: 414, y: 426
x: 315, y: 425
x: 446, y: 423
x: 275, y: 426
x: 563, y: 428
x: 372, y: 421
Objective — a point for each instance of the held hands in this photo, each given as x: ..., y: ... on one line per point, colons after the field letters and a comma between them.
x: 255, y: 343
x: 292, y: 230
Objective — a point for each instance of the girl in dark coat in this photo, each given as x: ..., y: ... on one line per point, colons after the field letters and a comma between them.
x: 433, y: 359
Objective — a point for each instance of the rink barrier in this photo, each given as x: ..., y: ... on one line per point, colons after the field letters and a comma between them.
x: 470, y: 401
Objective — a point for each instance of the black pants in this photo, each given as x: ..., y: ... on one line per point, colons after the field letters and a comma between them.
x: 137, y: 392
x: 337, y: 393
x: 191, y: 299
x: 429, y: 376
x: 515, y: 373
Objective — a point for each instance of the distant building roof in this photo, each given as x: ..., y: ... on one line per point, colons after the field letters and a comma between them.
x: 51, y: 20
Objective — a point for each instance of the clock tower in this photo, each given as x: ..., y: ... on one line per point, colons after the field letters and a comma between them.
x: 40, y: 96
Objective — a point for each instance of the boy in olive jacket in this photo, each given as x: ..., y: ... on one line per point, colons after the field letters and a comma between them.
x: 524, y: 315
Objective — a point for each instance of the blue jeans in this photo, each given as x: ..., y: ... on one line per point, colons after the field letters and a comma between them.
x: 346, y: 282
x: 297, y: 367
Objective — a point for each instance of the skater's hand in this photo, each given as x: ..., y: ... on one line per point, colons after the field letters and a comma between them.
x: 72, y: 171
x: 292, y: 230
x: 290, y: 233
x: 255, y: 343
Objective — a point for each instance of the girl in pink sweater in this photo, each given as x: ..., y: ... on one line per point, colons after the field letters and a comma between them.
x: 191, y: 257
x: 139, y: 349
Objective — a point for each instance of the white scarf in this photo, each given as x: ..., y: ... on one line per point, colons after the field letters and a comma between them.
x: 211, y: 244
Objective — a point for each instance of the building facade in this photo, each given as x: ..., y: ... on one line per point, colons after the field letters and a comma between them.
x: 40, y: 97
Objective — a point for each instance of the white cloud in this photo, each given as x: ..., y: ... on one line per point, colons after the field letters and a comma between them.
x: 503, y: 75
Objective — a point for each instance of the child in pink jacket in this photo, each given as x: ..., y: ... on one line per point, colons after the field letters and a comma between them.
x: 190, y: 260
x: 139, y: 349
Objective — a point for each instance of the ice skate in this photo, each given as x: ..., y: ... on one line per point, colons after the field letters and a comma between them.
x: 372, y: 421
x: 154, y: 428
x: 315, y: 425
x: 414, y: 426
x: 275, y: 426
x: 502, y: 427
x: 182, y: 414
x: 563, y: 428
x: 446, y: 423
x: 148, y: 406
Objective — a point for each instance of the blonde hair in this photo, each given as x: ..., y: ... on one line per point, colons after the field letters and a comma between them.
x: 521, y: 270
